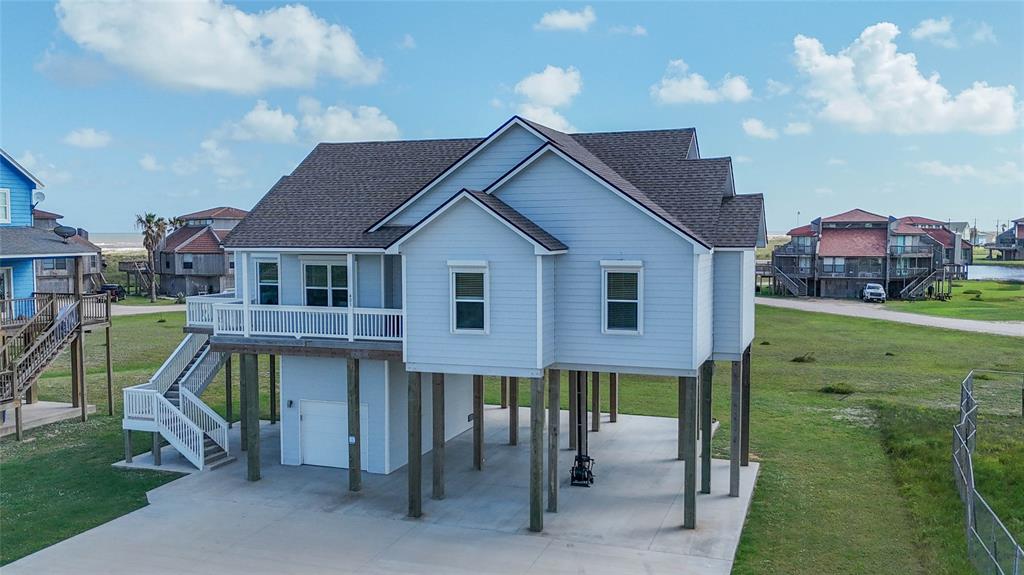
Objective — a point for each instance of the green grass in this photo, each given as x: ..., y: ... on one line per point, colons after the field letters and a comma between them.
x: 998, y: 300
x: 849, y: 482
x: 981, y: 259
x: 765, y: 253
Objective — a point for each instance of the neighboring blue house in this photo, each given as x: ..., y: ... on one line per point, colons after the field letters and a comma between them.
x: 20, y: 242
x: 522, y: 255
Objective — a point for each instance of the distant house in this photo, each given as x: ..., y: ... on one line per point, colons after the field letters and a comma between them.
x: 1010, y: 243
x: 191, y: 260
x: 838, y: 255
x: 23, y: 245
x: 57, y: 275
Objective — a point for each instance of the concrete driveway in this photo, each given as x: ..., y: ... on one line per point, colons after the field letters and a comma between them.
x: 304, y: 520
x: 119, y: 310
x: 874, y: 311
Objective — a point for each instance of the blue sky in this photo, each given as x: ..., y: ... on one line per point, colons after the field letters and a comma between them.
x: 176, y: 107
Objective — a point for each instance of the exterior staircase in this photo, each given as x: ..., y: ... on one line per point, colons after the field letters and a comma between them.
x: 795, y: 287
x: 169, y: 404
x: 35, y: 331
x: 917, y: 288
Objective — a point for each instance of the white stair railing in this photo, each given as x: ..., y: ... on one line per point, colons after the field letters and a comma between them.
x: 205, y: 418
x: 379, y: 324
x: 176, y: 362
x: 179, y: 430
x: 138, y: 402
x: 203, y: 371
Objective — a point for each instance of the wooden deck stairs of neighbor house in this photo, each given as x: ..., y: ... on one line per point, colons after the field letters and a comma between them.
x: 169, y: 404
x: 918, y: 287
x: 35, y: 332
x: 794, y: 286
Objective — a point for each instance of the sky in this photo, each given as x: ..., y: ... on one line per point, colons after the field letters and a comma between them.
x: 898, y: 108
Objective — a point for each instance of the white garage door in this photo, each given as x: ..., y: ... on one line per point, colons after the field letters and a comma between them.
x: 325, y: 433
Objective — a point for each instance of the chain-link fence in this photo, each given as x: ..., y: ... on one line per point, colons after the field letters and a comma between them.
x: 990, y: 546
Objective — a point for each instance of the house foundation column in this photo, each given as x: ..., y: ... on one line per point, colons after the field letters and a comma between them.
x: 251, y: 413
x: 504, y: 392
x: 110, y: 368
x: 736, y: 431
x: 437, y: 423
x: 273, y: 389
x: 681, y: 419
x: 513, y: 411
x: 689, y: 416
x: 745, y: 438
x: 415, y: 446
x: 707, y: 371
x: 128, y: 446
x: 227, y: 390
x: 478, y: 422
x: 554, y: 421
x: 537, y: 454
x: 595, y: 401
x: 613, y: 397
x: 355, y: 463
x: 573, y: 407
x: 78, y: 345
x: 156, y: 448
x: 76, y: 385
x: 583, y: 438
x: 19, y: 430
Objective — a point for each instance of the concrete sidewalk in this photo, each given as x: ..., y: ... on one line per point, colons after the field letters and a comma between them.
x: 119, y: 310
x: 304, y: 520
x: 874, y: 311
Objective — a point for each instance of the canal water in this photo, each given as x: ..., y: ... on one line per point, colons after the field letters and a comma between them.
x: 986, y: 272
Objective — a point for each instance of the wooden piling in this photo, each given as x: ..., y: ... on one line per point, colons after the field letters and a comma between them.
x: 513, y: 411
x: 355, y: 463
x: 478, y: 422
x: 554, y: 421
x: 415, y: 466
x: 227, y: 389
x: 504, y: 392
x: 736, y: 431
x: 706, y: 374
x: 573, y: 406
x: 613, y: 397
x: 745, y: 438
x: 250, y: 382
x: 156, y: 452
x: 273, y: 389
x: 537, y: 454
x: 128, y: 446
x: 595, y: 401
x: 438, y: 444
x: 689, y: 387
x: 110, y: 369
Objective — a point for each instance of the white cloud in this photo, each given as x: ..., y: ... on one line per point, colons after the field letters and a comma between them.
x: 87, y: 138
x: 407, y: 43
x: 836, y: 162
x: 149, y: 163
x: 872, y: 87
x: 756, y: 128
x: 776, y: 88
x: 798, y: 128
x: 563, y: 19
x: 679, y: 86
x: 216, y: 159
x: 341, y: 123
x: 544, y: 91
x: 46, y: 171
x: 70, y: 70
x: 265, y: 124
x: 213, y: 45
x: 634, y: 30
x: 939, y: 32
x: 1005, y: 173
x: 983, y: 34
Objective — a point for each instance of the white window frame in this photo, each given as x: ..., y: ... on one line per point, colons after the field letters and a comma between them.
x: 6, y: 194
x: 256, y: 277
x: 191, y: 261
x: 622, y: 266
x: 473, y: 267
x: 340, y: 261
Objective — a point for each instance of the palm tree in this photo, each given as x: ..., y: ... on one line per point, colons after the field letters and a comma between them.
x: 154, y: 228
x: 175, y: 223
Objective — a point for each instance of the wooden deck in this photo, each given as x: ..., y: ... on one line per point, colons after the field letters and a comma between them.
x: 310, y: 347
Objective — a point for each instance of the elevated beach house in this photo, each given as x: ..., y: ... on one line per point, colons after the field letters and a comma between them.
x: 57, y: 275
x: 388, y: 278
x: 191, y: 260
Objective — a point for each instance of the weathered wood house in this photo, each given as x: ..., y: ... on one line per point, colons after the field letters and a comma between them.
x: 838, y: 255
x: 57, y: 274
x: 191, y: 260
x: 1010, y: 242
x: 524, y: 254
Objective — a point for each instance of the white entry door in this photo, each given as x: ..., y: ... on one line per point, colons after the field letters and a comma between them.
x: 325, y: 433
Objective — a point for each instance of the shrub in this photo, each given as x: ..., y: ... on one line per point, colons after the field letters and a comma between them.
x: 766, y: 343
x: 805, y: 358
x: 161, y: 321
x: 890, y: 354
x: 972, y: 292
x: 838, y: 389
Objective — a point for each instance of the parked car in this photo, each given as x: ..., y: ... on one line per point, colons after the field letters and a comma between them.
x: 873, y: 292
x: 115, y: 291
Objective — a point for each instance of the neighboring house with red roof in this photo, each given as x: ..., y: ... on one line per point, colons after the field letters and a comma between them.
x: 57, y: 274
x: 836, y: 256
x: 191, y: 260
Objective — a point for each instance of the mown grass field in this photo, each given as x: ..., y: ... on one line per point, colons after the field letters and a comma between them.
x: 976, y: 299
x: 981, y: 259
x: 852, y: 482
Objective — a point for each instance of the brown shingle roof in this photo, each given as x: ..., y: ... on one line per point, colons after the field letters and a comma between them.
x: 805, y: 230
x: 222, y: 212
x: 906, y: 229
x: 855, y: 216
x: 45, y: 215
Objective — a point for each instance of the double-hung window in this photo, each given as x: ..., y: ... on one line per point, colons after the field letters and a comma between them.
x: 186, y: 261
x: 834, y: 265
x: 268, y: 289
x: 622, y: 286
x: 326, y: 284
x: 469, y: 297
x: 5, y: 206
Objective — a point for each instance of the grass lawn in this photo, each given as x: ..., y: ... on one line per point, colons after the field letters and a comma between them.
x: 998, y: 300
x: 981, y: 259
x: 855, y: 482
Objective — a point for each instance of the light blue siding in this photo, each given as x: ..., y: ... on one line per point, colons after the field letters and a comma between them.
x: 458, y: 405
x: 596, y: 225
x: 549, y: 313
x: 369, y: 278
x: 466, y: 232
x: 489, y: 164
x: 326, y: 379
x: 704, y: 342
x: 21, y: 194
x: 733, y: 302
x: 23, y: 279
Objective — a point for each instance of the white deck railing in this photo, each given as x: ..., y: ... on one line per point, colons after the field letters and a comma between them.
x: 176, y: 362
x: 138, y: 402
x: 305, y: 321
x: 202, y: 372
x: 205, y: 418
x: 179, y: 430
x: 199, y: 309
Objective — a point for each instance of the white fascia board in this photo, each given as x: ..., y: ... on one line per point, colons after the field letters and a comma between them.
x: 21, y: 169
x: 750, y: 249
x: 338, y: 250
x: 513, y: 121
x: 538, y: 249
x: 632, y: 369
x: 41, y: 256
x: 698, y: 247
x: 485, y: 370
x: 622, y: 263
